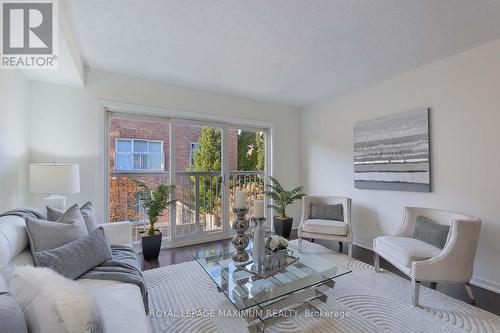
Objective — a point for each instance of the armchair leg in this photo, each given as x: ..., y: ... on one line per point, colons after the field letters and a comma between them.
x: 415, y: 286
x: 468, y: 288
x: 349, y: 250
x: 340, y: 247
x: 376, y: 262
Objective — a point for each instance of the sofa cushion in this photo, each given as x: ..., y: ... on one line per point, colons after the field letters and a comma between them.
x: 406, y: 249
x: 53, y: 303
x: 47, y: 235
x: 331, y: 227
x: 11, y: 315
x: 13, y: 238
x: 129, y: 317
x: 430, y: 231
x: 23, y: 258
x: 87, y: 210
x: 327, y: 212
x: 77, y: 257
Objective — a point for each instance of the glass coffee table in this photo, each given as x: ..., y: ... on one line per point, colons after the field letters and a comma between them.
x: 266, y: 301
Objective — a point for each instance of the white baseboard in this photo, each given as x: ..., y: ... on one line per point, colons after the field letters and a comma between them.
x: 486, y: 284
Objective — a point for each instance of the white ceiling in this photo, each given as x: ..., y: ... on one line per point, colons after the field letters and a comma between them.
x: 295, y: 52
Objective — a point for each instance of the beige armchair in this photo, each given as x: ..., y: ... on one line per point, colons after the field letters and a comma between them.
x: 424, y: 262
x: 326, y: 229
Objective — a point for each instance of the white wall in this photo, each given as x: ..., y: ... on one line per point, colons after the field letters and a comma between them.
x: 14, y: 103
x: 463, y: 94
x: 65, y: 123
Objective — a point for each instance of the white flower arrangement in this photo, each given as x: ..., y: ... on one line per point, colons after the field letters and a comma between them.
x: 278, y: 243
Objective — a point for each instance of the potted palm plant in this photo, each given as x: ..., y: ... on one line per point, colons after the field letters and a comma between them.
x: 281, y: 199
x: 155, y: 202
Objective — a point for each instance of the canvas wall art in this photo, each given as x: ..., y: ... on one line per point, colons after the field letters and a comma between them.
x: 393, y: 153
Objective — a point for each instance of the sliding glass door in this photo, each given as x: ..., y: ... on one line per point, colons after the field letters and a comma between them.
x: 247, y: 164
x: 138, y: 151
x: 206, y: 161
x: 200, y: 194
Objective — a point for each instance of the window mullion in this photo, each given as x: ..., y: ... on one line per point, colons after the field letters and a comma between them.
x: 132, y: 154
x: 146, y: 154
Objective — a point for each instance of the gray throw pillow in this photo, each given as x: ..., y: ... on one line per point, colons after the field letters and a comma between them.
x: 89, y: 216
x: 73, y: 216
x: 327, y: 212
x: 430, y: 231
x: 46, y: 235
x: 11, y: 315
x: 88, y: 213
x: 53, y: 214
x: 77, y: 257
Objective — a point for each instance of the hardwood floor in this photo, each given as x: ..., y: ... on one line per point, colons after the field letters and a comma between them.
x: 185, y: 253
x: 485, y: 299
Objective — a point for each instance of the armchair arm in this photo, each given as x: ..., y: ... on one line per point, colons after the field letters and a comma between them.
x: 118, y: 233
x: 456, y: 262
x: 347, y: 216
x: 347, y: 211
x: 406, y: 227
x: 306, y: 207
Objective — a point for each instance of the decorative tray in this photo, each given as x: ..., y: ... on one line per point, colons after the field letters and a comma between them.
x: 265, y: 272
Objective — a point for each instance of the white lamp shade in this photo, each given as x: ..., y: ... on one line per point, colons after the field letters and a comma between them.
x: 54, y: 178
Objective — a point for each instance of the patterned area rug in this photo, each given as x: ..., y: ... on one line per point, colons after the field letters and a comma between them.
x: 373, y: 302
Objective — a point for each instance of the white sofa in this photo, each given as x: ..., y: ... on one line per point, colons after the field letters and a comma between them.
x: 121, y: 304
x: 424, y: 262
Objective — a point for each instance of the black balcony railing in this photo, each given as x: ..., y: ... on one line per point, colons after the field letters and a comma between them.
x: 199, y: 199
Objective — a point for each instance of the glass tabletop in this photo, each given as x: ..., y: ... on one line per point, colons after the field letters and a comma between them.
x: 245, y: 289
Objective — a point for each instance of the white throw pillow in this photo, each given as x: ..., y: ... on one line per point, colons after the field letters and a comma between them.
x: 54, y: 304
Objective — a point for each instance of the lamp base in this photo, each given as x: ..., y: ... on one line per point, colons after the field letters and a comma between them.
x: 56, y: 201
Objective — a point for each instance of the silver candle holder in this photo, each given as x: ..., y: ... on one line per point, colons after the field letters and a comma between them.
x: 240, y: 240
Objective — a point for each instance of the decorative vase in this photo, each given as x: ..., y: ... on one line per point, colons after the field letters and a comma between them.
x: 240, y: 240
x: 259, y: 242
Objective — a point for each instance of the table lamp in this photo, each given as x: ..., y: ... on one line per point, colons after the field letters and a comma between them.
x: 54, y: 179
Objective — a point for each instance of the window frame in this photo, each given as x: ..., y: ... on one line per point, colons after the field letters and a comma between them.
x: 132, y: 152
x: 109, y: 109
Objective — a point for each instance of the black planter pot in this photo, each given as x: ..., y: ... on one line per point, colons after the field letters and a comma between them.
x: 151, y: 245
x: 283, y: 227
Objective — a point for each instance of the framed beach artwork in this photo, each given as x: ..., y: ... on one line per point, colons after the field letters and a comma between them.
x: 393, y: 153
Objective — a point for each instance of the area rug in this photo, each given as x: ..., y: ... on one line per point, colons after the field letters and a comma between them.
x: 185, y: 299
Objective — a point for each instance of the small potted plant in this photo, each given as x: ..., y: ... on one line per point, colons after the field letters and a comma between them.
x: 277, y: 243
x: 276, y: 252
x: 281, y: 199
x: 155, y: 202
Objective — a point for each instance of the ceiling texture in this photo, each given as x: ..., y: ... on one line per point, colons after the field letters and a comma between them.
x: 293, y: 52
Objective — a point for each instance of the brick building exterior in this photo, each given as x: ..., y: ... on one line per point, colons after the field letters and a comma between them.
x: 149, y: 130
x: 123, y: 198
